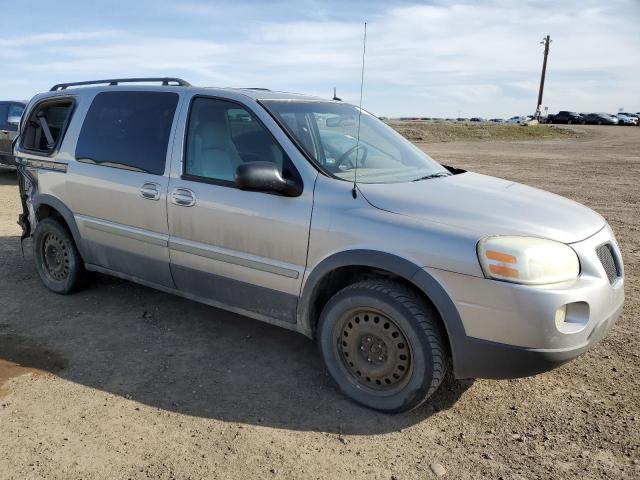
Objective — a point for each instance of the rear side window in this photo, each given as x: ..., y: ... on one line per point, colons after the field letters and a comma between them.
x: 128, y: 130
x: 4, y: 110
x: 15, y: 112
x: 46, y: 125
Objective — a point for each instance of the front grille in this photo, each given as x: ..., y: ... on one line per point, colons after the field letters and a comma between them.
x: 605, y: 254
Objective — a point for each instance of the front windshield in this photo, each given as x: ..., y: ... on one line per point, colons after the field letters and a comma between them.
x: 328, y: 132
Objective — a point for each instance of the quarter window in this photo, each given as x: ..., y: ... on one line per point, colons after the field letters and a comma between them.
x: 128, y: 130
x: 222, y: 135
x: 45, y: 127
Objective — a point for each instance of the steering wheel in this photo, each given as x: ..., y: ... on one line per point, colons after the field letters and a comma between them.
x: 346, y: 154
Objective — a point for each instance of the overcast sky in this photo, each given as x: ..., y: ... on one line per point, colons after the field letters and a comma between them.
x: 434, y: 58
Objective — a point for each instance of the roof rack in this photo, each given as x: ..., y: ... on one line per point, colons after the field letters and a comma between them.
x: 115, y: 81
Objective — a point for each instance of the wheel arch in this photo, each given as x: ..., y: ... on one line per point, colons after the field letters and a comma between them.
x: 367, y: 262
x: 45, y: 205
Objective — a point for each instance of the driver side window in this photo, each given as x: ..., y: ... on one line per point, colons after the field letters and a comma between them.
x: 221, y: 136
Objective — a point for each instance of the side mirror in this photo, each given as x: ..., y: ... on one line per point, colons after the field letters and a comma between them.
x: 265, y: 177
x: 13, y: 120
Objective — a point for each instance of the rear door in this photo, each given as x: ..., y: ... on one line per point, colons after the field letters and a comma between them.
x: 118, y: 183
x: 245, y: 251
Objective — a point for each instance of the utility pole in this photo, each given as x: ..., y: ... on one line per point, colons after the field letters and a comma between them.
x: 545, y: 41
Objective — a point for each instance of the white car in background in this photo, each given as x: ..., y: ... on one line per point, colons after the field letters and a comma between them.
x: 522, y: 120
x: 624, y: 119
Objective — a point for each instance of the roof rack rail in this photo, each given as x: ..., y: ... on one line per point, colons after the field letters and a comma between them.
x: 115, y: 81
x: 256, y: 88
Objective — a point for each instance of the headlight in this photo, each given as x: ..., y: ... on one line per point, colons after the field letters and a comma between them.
x: 528, y: 260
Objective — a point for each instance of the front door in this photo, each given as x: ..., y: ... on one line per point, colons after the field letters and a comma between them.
x: 118, y: 183
x: 245, y: 251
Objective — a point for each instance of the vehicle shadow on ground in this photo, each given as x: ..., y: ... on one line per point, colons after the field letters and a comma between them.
x: 179, y: 355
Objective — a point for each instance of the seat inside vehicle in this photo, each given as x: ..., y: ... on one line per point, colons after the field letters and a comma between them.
x: 222, y: 137
x: 45, y: 125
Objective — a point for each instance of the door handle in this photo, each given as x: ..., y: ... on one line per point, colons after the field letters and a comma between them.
x: 150, y: 191
x: 183, y: 197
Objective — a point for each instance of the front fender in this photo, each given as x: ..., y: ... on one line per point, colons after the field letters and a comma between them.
x: 399, y: 266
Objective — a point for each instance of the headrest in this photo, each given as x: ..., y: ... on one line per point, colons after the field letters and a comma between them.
x: 213, y: 131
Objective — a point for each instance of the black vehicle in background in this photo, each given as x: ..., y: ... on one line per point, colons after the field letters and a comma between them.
x: 599, y: 119
x: 565, y: 116
x: 10, y: 114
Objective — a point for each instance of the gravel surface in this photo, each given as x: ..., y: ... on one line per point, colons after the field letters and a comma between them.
x: 120, y: 381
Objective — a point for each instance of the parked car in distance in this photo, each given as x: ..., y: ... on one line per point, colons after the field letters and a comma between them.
x: 629, y: 114
x: 624, y: 119
x: 520, y: 120
x: 599, y: 119
x: 10, y: 114
x: 265, y: 204
x: 497, y: 120
x: 462, y: 119
x: 564, y: 116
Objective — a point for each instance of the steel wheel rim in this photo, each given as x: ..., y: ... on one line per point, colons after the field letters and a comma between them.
x: 374, y: 351
x: 55, y: 257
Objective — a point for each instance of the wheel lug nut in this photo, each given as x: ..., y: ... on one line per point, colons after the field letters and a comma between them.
x: 379, y: 358
x: 362, y: 348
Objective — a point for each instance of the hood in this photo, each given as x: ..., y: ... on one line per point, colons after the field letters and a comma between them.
x: 487, y: 206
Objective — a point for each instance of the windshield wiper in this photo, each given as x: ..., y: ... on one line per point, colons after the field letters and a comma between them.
x: 433, y: 175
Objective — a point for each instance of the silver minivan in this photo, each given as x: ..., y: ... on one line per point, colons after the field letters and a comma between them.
x: 315, y: 216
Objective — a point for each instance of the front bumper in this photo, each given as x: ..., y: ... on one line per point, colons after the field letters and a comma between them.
x: 485, y: 359
x: 510, y: 330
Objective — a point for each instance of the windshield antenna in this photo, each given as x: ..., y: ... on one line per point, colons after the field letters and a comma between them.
x: 354, y: 191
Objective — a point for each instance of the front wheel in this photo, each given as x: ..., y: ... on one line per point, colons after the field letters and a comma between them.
x: 383, y: 345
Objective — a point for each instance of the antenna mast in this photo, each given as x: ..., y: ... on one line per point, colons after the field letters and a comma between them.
x: 354, y: 191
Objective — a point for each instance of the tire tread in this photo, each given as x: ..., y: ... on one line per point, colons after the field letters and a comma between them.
x: 425, y: 317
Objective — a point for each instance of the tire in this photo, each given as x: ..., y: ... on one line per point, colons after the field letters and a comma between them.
x: 599, y: 122
x: 396, y: 356
x: 58, y: 261
x: 569, y: 122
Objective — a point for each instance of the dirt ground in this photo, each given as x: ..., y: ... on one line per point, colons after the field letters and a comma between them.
x: 120, y: 381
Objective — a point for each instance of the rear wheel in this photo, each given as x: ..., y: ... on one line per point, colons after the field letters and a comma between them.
x: 57, y: 259
x: 383, y: 346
